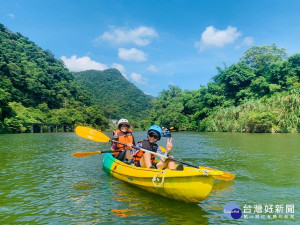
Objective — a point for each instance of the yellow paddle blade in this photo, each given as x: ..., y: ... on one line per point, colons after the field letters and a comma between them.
x: 85, y: 154
x: 91, y: 134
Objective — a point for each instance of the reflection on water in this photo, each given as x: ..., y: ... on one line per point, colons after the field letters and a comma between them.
x: 41, y: 183
x: 223, y: 186
x: 158, y: 209
x: 140, y: 203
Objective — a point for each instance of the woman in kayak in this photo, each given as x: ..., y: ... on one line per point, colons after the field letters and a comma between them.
x: 122, y: 134
x: 146, y: 159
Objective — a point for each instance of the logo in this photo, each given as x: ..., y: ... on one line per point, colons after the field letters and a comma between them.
x: 232, y: 211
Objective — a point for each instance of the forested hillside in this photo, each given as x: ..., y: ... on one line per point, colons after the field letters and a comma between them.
x: 115, y: 94
x: 260, y: 93
x: 36, y: 87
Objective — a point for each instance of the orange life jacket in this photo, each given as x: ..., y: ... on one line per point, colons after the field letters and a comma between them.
x: 148, y: 146
x: 125, y: 138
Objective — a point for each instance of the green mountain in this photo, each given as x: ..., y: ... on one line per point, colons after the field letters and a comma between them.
x: 37, y: 88
x: 115, y: 94
x: 32, y: 75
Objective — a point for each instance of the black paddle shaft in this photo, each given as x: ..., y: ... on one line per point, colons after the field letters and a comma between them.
x: 112, y: 151
x: 185, y: 163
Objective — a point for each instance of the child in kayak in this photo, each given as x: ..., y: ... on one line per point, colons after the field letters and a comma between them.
x: 122, y: 134
x: 146, y: 159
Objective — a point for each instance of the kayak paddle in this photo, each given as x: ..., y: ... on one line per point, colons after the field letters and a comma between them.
x: 91, y: 134
x: 224, y: 176
x: 98, y: 136
x: 85, y: 154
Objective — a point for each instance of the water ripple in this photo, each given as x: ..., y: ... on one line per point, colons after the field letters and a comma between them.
x: 41, y: 183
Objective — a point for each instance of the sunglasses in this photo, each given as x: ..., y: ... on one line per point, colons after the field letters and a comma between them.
x: 124, y: 125
x: 153, y: 135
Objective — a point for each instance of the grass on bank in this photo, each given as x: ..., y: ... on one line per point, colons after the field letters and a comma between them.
x: 279, y: 113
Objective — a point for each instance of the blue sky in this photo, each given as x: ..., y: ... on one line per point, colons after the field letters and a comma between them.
x: 155, y: 43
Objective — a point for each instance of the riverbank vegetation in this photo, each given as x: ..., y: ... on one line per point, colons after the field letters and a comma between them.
x: 260, y: 93
x: 278, y: 113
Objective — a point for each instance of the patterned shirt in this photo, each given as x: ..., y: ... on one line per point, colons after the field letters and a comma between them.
x: 159, y: 151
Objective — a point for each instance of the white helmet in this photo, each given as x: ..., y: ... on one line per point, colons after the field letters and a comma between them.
x: 123, y: 121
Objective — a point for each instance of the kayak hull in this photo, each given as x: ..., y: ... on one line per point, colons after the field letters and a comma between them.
x: 190, y: 185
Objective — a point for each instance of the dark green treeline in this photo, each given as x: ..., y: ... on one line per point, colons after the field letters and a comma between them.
x: 261, y: 93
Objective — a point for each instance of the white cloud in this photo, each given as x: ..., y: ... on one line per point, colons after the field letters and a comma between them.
x: 121, y: 68
x: 138, y: 78
x: 212, y: 37
x: 248, y: 41
x: 132, y: 54
x: 140, y: 36
x: 80, y: 64
x: 11, y: 15
x: 152, y: 69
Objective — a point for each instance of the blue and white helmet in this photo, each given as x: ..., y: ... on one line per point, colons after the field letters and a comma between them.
x: 156, y: 129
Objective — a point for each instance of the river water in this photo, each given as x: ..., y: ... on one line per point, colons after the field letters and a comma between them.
x: 41, y: 183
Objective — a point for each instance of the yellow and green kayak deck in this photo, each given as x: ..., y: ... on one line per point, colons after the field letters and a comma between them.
x: 189, y: 185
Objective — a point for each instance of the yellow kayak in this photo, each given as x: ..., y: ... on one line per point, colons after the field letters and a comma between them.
x: 189, y: 185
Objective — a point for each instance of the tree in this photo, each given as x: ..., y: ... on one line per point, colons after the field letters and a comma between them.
x: 292, y: 70
x: 5, y: 110
x: 259, y: 87
x: 234, y: 79
x: 260, y: 58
